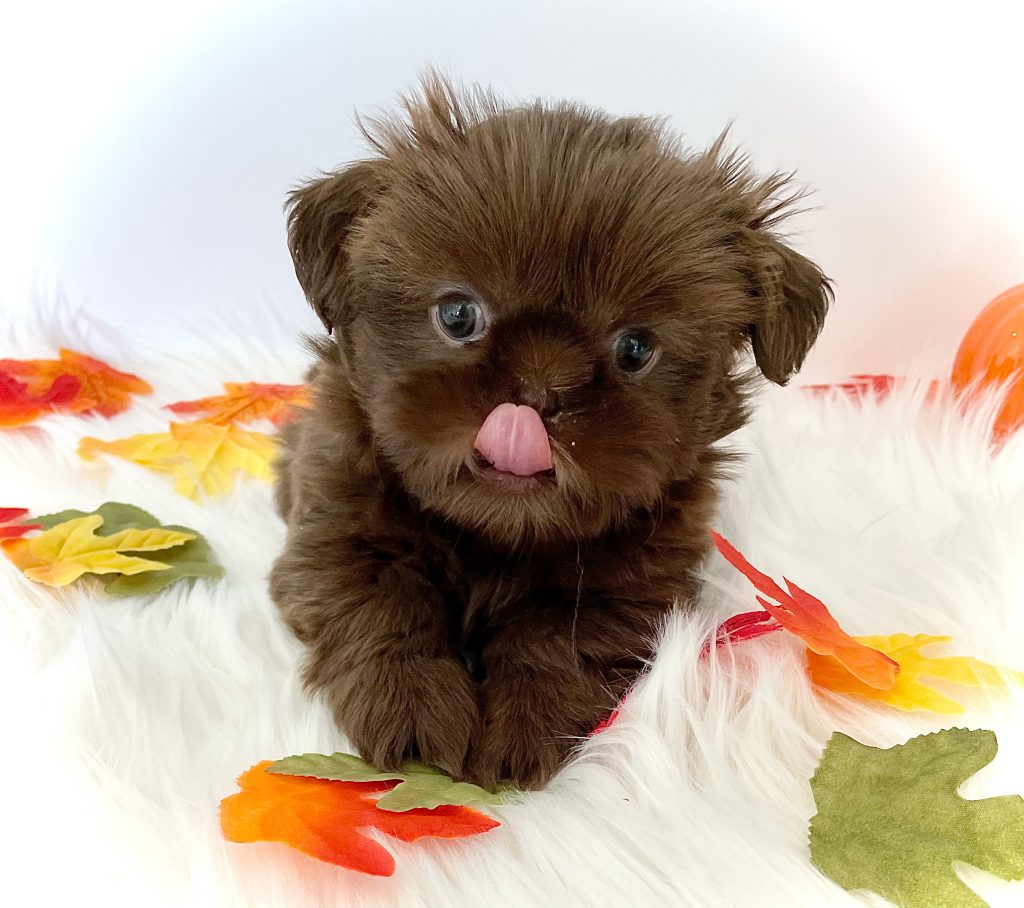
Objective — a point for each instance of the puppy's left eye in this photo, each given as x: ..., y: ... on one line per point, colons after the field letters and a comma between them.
x: 460, y: 319
x: 635, y: 351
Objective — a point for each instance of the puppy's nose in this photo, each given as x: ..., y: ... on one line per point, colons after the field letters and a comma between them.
x: 544, y: 400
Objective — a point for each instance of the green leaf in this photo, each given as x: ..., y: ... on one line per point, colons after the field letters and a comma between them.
x: 423, y: 790
x: 339, y: 767
x: 891, y: 820
x: 116, y: 517
x: 193, y: 559
x: 49, y: 521
x: 420, y: 786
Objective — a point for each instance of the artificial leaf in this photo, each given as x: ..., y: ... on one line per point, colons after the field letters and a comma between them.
x: 65, y: 552
x: 192, y: 559
x: 807, y: 617
x: 244, y: 402
x: 116, y: 517
x: 744, y: 626
x: 860, y: 387
x: 107, y: 389
x: 197, y: 455
x: 324, y: 818
x: 891, y: 820
x: 912, y: 689
x: 419, y: 785
x: 21, y: 405
x: 102, y: 389
x: 9, y: 529
x: 608, y: 721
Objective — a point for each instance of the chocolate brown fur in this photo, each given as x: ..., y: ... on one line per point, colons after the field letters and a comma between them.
x: 448, y: 616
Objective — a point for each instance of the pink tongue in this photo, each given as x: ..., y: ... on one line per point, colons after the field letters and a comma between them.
x: 513, y: 439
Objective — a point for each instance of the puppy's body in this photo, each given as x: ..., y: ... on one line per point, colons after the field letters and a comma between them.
x: 482, y: 618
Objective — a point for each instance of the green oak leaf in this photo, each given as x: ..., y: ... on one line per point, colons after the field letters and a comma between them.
x: 891, y: 820
x: 421, y: 785
x: 193, y: 559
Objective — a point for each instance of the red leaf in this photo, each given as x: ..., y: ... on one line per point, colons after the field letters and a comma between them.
x: 744, y: 626
x: 807, y: 617
x: 858, y: 387
x: 11, y: 530
x: 861, y: 386
x: 98, y: 388
x: 19, y: 406
x: 606, y: 723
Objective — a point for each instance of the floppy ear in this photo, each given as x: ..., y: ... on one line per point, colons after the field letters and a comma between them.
x: 320, y: 218
x: 792, y: 297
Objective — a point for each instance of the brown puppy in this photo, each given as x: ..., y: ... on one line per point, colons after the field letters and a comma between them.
x: 538, y: 320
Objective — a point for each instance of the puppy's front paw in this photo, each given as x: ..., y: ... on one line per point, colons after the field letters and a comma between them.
x: 530, y: 726
x: 423, y: 709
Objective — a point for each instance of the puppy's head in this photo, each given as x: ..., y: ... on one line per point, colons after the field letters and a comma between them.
x: 542, y: 310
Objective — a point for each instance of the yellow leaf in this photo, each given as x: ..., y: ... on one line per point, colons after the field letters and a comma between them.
x: 157, y: 450
x: 197, y: 455
x: 65, y: 552
x: 912, y: 689
x: 216, y: 453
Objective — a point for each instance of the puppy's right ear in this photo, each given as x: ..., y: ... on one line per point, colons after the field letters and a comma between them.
x: 320, y: 218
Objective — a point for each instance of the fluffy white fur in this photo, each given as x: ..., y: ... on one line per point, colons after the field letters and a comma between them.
x: 128, y: 721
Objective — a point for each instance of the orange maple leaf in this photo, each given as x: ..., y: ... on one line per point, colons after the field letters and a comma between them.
x: 911, y: 691
x: 102, y: 389
x: 247, y: 401
x: 324, y: 818
x: 20, y: 405
x: 800, y: 613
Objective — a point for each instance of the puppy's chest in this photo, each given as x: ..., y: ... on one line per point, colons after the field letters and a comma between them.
x: 488, y: 590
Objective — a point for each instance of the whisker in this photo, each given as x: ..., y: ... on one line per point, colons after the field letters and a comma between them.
x: 576, y: 610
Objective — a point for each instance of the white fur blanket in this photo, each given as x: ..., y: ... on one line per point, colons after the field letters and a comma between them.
x: 127, y: 721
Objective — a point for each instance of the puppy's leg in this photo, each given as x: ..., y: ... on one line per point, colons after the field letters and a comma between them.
x: 550, y: 678
x: 381, y: 648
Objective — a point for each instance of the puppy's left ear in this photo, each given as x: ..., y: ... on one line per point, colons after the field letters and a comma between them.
x: 792, y: 298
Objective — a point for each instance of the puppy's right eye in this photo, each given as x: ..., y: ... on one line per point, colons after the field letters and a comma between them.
x: 460, y: 319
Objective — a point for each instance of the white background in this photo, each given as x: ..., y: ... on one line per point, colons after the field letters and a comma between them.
x: 147, y: 148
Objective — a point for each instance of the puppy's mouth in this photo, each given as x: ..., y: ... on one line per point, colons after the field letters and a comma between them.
x: 508, y: 482
x: 512, y: 448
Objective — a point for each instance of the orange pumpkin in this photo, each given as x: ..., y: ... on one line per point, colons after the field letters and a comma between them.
x: 992, y: 352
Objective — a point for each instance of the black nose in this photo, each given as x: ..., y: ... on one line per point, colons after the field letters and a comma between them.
x: 544, y: 400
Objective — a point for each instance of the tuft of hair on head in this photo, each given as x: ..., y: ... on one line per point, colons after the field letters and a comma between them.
x: 436, y: 116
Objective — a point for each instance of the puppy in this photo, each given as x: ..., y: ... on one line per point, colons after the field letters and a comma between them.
x: 538, y: 323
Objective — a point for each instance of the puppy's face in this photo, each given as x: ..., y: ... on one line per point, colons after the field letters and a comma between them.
x: 540, y: 310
